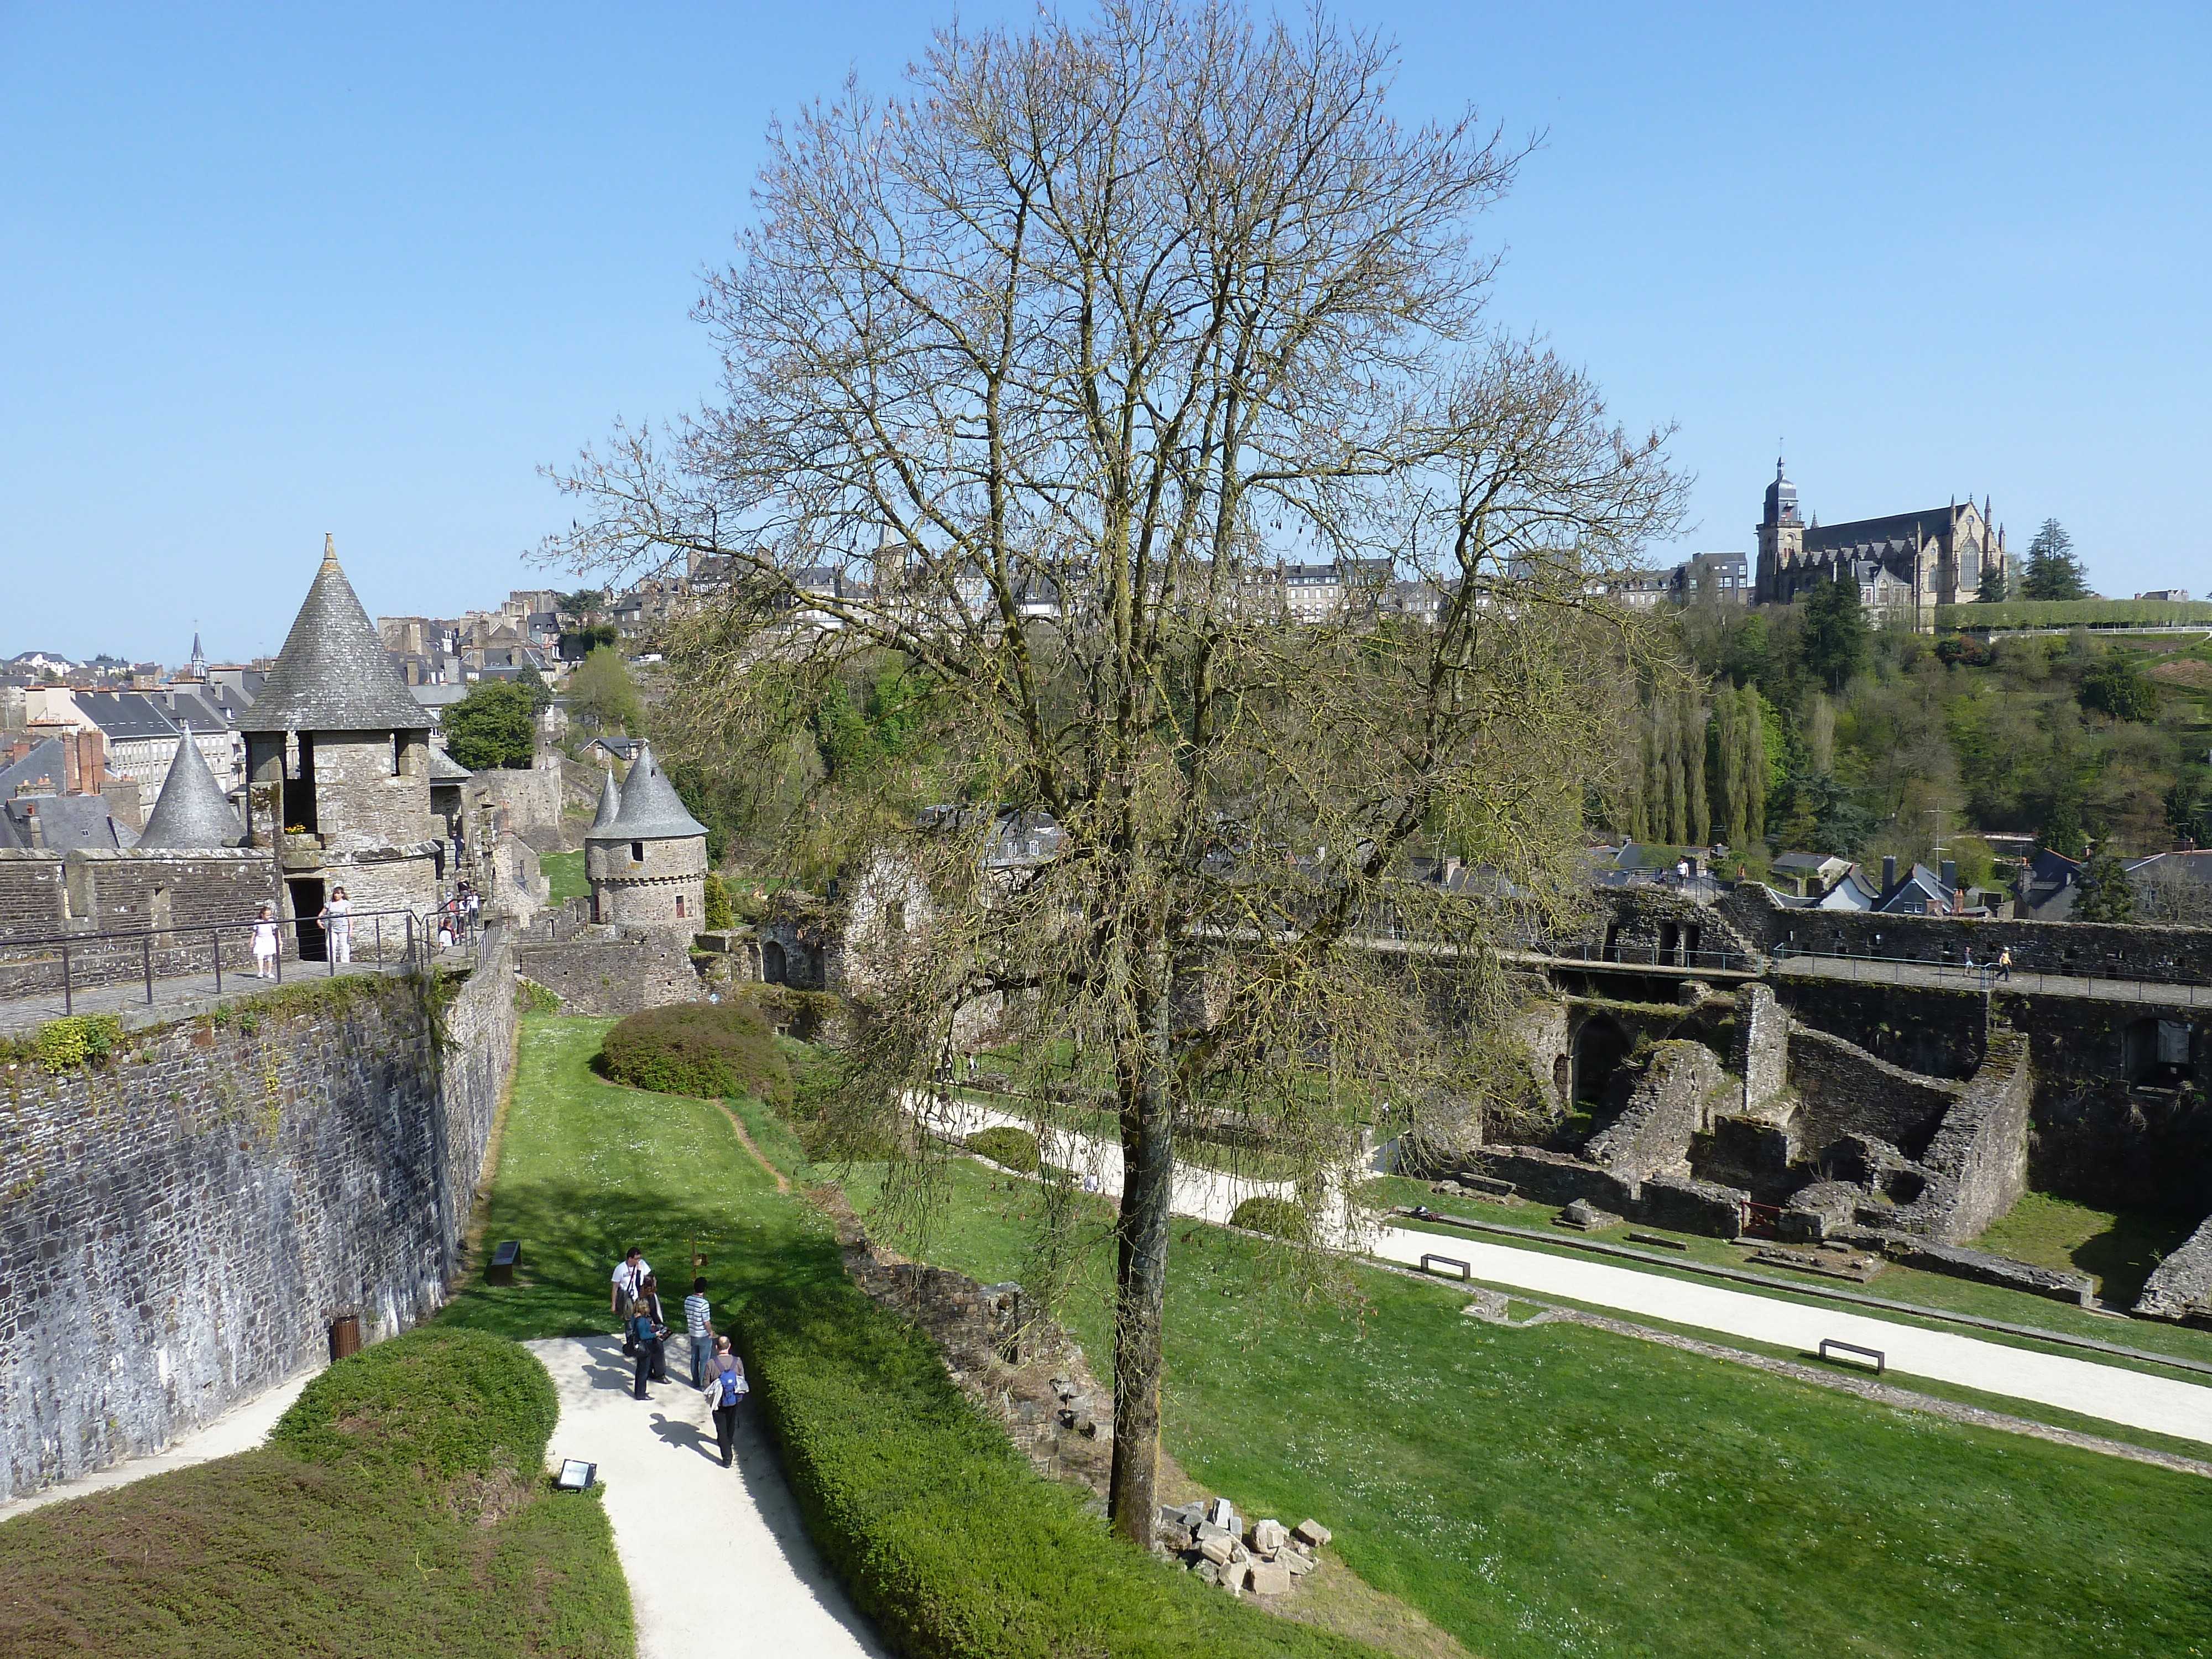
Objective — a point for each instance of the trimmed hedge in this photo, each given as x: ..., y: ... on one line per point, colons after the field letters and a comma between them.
x: 704, y: 1049
x: 942, y: 1533
x: 1279, y: 1218
x: 1016, y: 1149
x: 2074, y: 613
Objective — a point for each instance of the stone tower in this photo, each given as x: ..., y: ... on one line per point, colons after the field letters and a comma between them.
x: 339, y: 746
x: 1781, y: 539
x: 645, y: 855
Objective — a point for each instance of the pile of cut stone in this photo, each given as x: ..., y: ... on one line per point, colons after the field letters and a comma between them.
x: 1211, y: 1539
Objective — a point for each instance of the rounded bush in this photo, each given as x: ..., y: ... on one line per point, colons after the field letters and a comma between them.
x: 1279, y: 1218
x: 1016, y: 1149
x: 434, y: 1403
x: 709, y: 1049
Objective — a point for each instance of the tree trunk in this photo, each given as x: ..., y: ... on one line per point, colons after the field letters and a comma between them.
x: 1140, y: 1270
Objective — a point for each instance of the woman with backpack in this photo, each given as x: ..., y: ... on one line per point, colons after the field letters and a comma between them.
x: 726, y: 1387
x: 648, y: 1299
x: 647, y: 1333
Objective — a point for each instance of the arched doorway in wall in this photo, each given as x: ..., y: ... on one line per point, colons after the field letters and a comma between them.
x: 772, y: 963
x: 1600, y: 1047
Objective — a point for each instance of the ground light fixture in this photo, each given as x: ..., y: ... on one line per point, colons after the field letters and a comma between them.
x: 576, y: 1475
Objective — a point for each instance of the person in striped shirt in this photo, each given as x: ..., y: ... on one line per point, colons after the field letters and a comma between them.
x: 698, y: 1321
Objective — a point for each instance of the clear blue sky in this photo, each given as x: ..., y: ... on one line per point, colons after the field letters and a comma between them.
x: 268, y: 272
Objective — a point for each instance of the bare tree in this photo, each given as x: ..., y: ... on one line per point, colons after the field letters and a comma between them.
x: 1034, y: 381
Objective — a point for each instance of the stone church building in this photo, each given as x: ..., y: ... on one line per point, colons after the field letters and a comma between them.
x: 1905, y: 565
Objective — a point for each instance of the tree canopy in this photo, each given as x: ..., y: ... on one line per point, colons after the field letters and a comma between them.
x: 602, y: 695
x: 492, y: 727
x: 2053, y: 571
x: 1033, y: 380
x: 1835, y: 639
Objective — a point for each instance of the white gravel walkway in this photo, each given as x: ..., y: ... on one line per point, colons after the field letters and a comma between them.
x: 718, y: 1559
x: 241, y: 1428
x: 2140, y: 1400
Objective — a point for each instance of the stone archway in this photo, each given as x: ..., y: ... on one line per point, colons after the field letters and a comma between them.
x: 1600, y: 1046
x: 773, y: 970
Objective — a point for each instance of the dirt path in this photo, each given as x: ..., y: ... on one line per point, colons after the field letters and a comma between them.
x: 718, y: 1560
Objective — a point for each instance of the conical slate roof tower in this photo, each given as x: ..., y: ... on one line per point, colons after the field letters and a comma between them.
x: 651, y: 810
x: 609, y: 806
x: 332, y: 674
x: 191, y: 812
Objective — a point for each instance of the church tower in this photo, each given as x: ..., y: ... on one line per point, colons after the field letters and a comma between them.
x: 1781, y: 541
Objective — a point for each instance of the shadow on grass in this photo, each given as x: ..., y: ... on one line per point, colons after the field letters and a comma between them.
x: 2124, y: 1255
x: 573, y: 1232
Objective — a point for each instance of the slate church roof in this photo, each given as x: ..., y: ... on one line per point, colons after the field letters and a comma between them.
x: 332, y: 674
x: 650, y: 808
x: 191, y: 812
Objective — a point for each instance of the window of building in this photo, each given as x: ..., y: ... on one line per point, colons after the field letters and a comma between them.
x: 679, y: 907
x: 637, y: 852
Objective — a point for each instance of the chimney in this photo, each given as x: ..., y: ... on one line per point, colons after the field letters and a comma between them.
x: 1951, y: 874
x: 1888, y: 874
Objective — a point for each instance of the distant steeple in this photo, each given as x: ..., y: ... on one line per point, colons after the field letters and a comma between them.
x: 1781, y: 498
x: 199, y: 658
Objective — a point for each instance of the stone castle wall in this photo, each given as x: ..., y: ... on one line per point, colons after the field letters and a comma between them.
x: 33, y: 896
x: 608, y: 973
x: 178, y: 1227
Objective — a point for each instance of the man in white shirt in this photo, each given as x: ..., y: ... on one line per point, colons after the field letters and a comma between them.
x: 698, y: 1321
x: 629, y: 1274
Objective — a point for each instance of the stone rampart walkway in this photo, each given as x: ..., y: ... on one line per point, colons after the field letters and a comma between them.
x: 718, y: 1559
x: 2140, y: 1400
x: 1936, y: 976
x: 178, y: 999
x: 241, y: 1428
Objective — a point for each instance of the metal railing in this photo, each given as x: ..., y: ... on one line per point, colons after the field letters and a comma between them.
x: 1642, y: 955
x: 385, y: 938
x: 1987, y: 975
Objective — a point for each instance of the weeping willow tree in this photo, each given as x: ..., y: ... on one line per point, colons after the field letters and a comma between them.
x: 1035, y: 380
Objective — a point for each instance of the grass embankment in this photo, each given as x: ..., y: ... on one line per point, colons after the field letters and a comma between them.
x: 1937, y: 1292
x: 564, y: 873
x: 1561, y: 1489
x: 400, y: 1509
x: 936, y: 1527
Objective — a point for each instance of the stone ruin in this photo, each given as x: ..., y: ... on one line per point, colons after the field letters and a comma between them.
x: 1212, y: 1542
x: 1725, y: 1115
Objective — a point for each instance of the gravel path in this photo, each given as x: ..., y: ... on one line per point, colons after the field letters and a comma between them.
x: 241, y: 1428
x: 718, y: 1560
x: 2140, y: 1400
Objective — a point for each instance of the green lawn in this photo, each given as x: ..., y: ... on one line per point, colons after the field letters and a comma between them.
x: 565, y: 872
x: 586, y: 1170
x: 1562, y: 1490
x: 1937, y: 1292
x: 401, y: 1510
x: 2118, y: 1248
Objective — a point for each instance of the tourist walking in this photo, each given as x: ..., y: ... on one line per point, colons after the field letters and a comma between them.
x: 630, y: 1274
x: 724, y: 1386
x: 699, y: 1325
x: 266, y: 940
x: 473, y: 902
x: 336, y: 917
x: 2004, y: 964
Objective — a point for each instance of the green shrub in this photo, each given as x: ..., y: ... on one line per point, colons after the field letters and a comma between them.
x: 704, y: 1049
x: 2074, y: 613
x: 802, y: 1013
x: 434, y: 1404
x: 943, y: 1534
x: 531, y: 997
x: 1016, y: 1149
x: 1277, y: 1217
x: 63, y: 1045
x: 718, y: 904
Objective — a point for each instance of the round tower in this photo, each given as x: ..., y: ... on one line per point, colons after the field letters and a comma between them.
x: 645, y: 856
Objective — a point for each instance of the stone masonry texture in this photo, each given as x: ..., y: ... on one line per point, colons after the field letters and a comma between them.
x: 179, y: 1227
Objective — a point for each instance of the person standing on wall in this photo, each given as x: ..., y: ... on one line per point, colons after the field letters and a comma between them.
x: 629, y: 1274
x: 336, y: 917
x: 698, y: 1322
x: 724, y: 1386
x: 265, y: 943
x: 2004, y: 964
